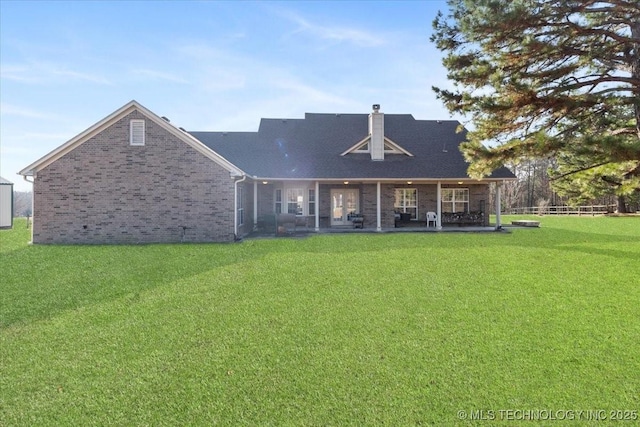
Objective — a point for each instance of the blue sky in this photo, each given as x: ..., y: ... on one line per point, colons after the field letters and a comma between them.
x: 206, y: 65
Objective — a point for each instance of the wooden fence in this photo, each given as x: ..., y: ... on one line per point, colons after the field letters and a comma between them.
x: 564, y: 210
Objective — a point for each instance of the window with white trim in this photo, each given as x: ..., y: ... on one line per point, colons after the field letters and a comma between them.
x: 136, y: 132
x: 406, y: 201
x: 278, y: 201
x: 295, y: 201
x: 312, y: 201
x: 455, y: 200
x: 240, y: 205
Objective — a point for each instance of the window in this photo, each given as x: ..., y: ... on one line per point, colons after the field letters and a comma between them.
x: 298, y: 200
x: 136, y: 132
x: 455, y: 200
x: 278, y: 201
x: 240, y: 205
x: 295, y: 199
x: 407, y: 201
x: 312, y: 201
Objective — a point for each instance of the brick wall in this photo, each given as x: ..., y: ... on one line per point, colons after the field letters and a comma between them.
x: 107, y: 191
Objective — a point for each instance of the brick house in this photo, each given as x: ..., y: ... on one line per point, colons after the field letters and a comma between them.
x: 134, y: 177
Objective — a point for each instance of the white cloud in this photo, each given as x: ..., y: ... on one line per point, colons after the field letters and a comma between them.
x: 37, y: 72
x: 14, y: 110
x: 310, y: 94
x: 158, y: 75
x: 76, y: 75
x: 17, y: 73
x: 335, y: 34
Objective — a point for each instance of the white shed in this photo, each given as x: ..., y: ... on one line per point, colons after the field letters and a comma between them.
x: 6, y: 203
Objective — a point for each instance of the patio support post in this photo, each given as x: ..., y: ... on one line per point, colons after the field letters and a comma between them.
x: 378, y: 208
x: 498, y: 206
x: 317, y: 207
x: 439, y: 206
x: 255, y: 205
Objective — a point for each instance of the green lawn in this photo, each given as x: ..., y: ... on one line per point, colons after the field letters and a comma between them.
x: 357, y: 329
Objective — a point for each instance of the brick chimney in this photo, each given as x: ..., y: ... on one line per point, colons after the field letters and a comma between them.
x: 376, y: 131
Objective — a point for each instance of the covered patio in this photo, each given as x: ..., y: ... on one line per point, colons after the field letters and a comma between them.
x: 291, y: 207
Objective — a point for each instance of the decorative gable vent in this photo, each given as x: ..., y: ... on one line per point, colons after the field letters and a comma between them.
x: 376, y: 144
x: 364, y: 146
x: 136, y: 132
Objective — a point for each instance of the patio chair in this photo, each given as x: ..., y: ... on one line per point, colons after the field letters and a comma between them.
x: 432, y: 217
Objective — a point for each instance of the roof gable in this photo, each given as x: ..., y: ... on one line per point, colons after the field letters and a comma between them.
x: 364, y: 146
x: 114, y: 117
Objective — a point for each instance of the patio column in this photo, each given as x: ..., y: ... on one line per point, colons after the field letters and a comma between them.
x: 439, y: 206
x: 317, y: 207
x: 378, y: 208
x: 498, y: 206
x: 255, y: 205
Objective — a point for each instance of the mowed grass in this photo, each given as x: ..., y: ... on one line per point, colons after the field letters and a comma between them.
x: 358, y: 329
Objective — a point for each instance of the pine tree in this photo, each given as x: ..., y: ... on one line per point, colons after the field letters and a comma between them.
x: 548, y: 78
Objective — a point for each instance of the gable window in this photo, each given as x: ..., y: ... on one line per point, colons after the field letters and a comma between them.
x: 455, y: 200
x: 295, y: 201
x: 406, y: 201
x: 136, y: 132
x: 240, y: 205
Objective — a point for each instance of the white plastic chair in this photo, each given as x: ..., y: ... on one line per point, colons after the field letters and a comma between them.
x: 432, y: 217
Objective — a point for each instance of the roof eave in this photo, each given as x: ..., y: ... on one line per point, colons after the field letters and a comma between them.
x: 414, y: 179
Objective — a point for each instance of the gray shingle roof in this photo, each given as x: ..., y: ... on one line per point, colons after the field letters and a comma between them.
x: 310, y: 148
x: 5, y: 181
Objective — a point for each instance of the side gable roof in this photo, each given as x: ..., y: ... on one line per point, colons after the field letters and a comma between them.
x: 311, y: 148
x: 114, y: 117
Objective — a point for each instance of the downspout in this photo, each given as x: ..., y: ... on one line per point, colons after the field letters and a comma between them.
x: 235, y: 206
